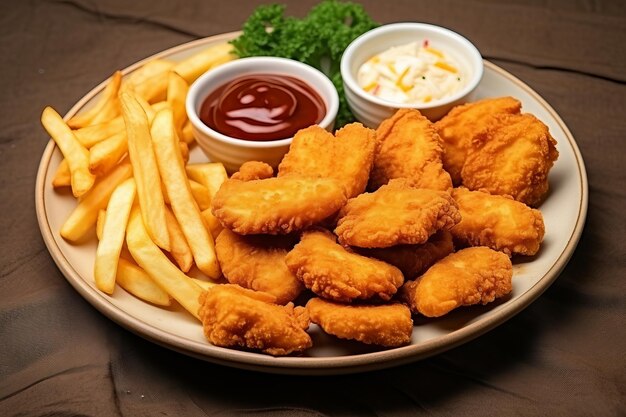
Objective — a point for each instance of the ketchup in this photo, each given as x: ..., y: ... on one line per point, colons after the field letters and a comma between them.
x: 262, y: 107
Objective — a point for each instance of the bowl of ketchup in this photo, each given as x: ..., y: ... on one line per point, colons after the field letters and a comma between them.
x: 249, y: 109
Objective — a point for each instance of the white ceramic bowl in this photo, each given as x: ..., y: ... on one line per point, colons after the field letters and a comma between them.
x: 371, y: 110
x: 233, y: 152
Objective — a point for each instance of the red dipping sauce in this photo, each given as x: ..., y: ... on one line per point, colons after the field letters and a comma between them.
x: 262, y: 107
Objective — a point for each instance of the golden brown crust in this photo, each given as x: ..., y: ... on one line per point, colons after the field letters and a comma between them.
x: 458, y: 128
x: 408, y: 146
x: 414, y: 260
x: 233, y: 316
x: 512, y: 157
x: 276, y: 205
x: 395, y: 214
x: 346, y: 157
x: 470, y: 276
x: 258, y: 263
x: 498, y: 222
x: 386, y: 325
x: 253, y: 170
x: 330, y: 271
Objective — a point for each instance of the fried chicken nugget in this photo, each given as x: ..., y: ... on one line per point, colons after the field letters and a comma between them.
x: 458, y: 127
x: 512, y: 157
x: 498, y: 222
x: 330, y: 271
x: 395, y: 214
x: 346, y: 157
x: 257, y: 262
x: 237, y: 317
x: 385, y: 325
x: 413, y: 260
x: 276, y: 205
x: 470, y: 276
x: 253, y: 170
x: 408, y: 146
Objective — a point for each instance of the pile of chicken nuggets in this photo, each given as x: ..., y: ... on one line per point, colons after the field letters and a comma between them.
x: 365, y: 229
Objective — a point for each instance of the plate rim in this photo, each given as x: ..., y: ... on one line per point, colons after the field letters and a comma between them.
x: 303, y: 365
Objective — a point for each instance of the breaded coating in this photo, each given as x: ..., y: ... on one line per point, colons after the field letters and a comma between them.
x: 458, y: 127
x: 498, y: 222
x: 413, y: 260
x: 276, y: 205
x: 346, y: 157
x: 408, y: 146
x: 470, y: 276
x: 385, y: 325
x: 395, y: 214
x: 233, y: 316
x: 512, y: 157
x: 257, y: 262
x: 331, y: 271
x: 253, y: 170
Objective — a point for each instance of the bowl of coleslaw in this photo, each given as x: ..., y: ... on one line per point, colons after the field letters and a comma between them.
x: 409, y: 65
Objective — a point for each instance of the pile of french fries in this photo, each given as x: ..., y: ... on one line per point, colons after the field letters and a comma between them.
x: 126, y: 161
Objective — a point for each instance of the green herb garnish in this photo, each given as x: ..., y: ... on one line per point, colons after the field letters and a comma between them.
x: 319, y: 39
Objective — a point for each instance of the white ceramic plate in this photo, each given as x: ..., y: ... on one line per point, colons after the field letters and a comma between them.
x: 564, y: 213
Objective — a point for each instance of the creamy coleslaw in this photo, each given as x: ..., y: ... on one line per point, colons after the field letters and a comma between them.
x: 415, y: 73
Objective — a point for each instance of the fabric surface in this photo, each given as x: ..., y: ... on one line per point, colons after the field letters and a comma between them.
x: 562, y: 356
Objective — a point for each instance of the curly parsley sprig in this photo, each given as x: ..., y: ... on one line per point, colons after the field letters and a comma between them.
x: 319, y: 39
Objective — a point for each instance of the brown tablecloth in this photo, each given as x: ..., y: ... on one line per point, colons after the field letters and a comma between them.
x: 562, y: 356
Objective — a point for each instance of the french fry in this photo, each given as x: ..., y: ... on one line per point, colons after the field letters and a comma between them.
x: 103, y: 156
x: 88, y: 136
x: 185, y: 209
x: 113, y: 232
x: 177, y: 89
x: 167, y: 276
x: 214, y: 225
x: 147, y: 107
x: 187, y: 133
x: 138, y: 283
x: 145, y: 170
x: 100, y: 223
x: 196, y: 65
x: 62, y: 176
x: 85, y: 214
x: 149, y: 70
x: 209, y: 174
x: 205, y: 285
x: 200, y: 195
x: 106, y: 109
x: 153, y: 89
x: 159, y: 105
x: 180, y: 248
x: 76, y: 155
x: 184, y: 151
x: 144, y: 116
